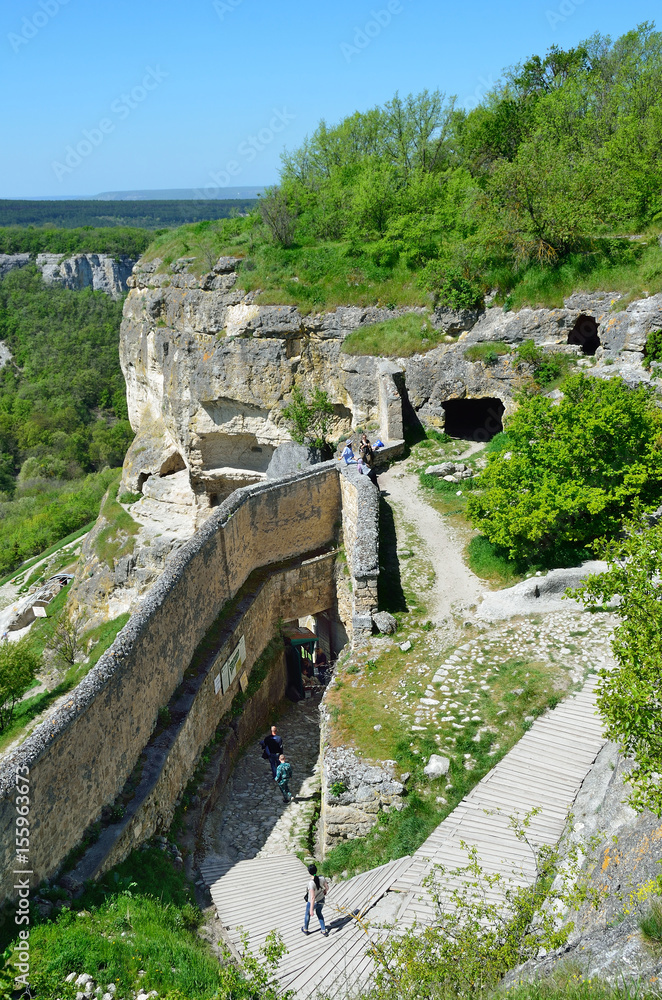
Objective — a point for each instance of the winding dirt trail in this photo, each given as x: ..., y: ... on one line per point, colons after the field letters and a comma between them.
x: 455, y: 587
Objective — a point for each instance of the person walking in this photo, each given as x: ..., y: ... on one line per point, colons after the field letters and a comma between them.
x: 315, y: 895
x: 283, y: 775
x: 272, y: 747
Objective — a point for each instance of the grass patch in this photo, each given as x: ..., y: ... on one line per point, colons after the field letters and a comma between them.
x: 116, y: 539
x: 636, y: 275
x: 651, y: 923
x: 487, y: 352
x: 99, y: 639
x: 490, y: 563
x: 138, y: 916
x: 399, y: 337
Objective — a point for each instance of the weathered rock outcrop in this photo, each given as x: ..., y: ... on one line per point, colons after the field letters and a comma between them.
x: 84, y: 270
x: 354, y: 793
x: 209, y: 370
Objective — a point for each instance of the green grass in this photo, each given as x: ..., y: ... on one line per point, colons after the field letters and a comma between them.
x: 651, y: 923
x: 572, y: 985
x: 138, y: 916
x: 489, y: 563
x: 39, y: 524
x: 116, y: 539
x: 540, y: 286
x: 487, y: 352
x: 49, y: 552
x: 399, y: 337
x: 101, y: 638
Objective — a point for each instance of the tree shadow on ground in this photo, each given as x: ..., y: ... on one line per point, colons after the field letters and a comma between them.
x: 391, y: 596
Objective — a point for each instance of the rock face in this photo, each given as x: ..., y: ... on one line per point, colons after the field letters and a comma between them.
x: 605, y: 940
x: 87, y: 270
x: 354, y: 793
x: 84, y: 270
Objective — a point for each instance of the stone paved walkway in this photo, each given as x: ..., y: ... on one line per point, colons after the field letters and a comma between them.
x: 250, y: 819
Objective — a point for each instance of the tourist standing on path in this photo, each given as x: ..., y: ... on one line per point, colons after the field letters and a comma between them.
x: 317, y: 890
x: 273, y: 748
x: 283, y: 775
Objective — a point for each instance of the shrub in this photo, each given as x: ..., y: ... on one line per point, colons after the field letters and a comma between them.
x: 629, y: 697
x: 572, y: 472
x: 18, y: 665
x: 653, y: 348
x: 548, y: 366
x: 309, y: 417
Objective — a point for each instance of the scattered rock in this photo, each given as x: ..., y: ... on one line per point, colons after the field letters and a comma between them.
x: 437, y: 766
x: 385, y: 622
x: 377, y: 727
x: 405, y: 647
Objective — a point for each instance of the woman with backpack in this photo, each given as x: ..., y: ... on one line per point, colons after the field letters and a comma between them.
x: 315, y: 893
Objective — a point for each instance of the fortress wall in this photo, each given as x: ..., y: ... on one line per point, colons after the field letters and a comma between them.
x: 360, y: 507
x: 307, y: 588
x: 80, y: 757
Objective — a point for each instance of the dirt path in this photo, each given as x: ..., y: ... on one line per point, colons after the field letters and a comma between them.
x: 455, y: 587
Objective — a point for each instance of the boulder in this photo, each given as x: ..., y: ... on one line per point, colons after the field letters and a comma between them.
x: 437, y: 766
x: 385, y: 622
x: 445, y: 469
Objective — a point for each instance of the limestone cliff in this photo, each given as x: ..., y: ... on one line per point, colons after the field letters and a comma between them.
x: 84, y: 270
x: 208, y: 371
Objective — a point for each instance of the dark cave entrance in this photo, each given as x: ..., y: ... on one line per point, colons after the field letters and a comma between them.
x: 585, y: 335
x: 474, y: 419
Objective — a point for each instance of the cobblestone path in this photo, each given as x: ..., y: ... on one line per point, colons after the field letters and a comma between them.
x: 250, y: 819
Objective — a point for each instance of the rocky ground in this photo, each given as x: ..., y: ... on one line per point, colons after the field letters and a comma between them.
x: 251, y: 819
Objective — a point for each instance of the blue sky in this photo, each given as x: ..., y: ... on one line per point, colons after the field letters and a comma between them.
x: 105, y: 96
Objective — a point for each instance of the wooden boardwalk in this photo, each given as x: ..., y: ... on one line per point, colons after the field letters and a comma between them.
x: 545, y: 769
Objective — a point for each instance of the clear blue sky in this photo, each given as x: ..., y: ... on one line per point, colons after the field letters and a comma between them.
x: 231, y: 67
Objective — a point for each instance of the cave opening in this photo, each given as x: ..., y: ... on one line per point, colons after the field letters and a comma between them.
x: 474, y: 419
x: 584, y: 334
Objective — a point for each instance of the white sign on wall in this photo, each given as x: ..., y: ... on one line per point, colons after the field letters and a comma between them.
x: 217, y: 683
x: 232, y: 664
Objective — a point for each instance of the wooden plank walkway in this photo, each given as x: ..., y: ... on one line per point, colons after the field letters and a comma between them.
x: 545, y: 769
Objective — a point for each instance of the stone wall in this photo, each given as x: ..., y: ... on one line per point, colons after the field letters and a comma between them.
x: 306, y: 588
x: 353, y: 793
x: 80, y: 757
x: 360, y: 504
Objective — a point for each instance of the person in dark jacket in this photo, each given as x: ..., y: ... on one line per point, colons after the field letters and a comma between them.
x: 273, y: 747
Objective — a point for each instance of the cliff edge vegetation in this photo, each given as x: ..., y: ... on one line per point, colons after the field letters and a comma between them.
x: 551, y: 184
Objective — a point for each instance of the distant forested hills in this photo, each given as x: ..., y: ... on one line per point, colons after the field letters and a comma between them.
x: 145, y: 214
x: 115, y: 241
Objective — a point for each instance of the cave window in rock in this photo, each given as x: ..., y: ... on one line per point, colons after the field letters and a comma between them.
x: 142, y: 479
x: 585, y: 335
x: 474, y: 419
x: 173, y: 463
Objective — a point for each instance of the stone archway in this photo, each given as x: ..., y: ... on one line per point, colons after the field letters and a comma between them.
x: 474, y: 419
x: 585, y: 334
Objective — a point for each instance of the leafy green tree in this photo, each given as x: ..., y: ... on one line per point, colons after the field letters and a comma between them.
x: 18, y: 665
x: 574, y: 470
x: 308, y: 416
x: 630, y: 697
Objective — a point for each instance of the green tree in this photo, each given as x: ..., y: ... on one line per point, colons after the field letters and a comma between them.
x: 574, y: 470
x: 18, y: 665
x: 308, y: 416
x: 630, y: 697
